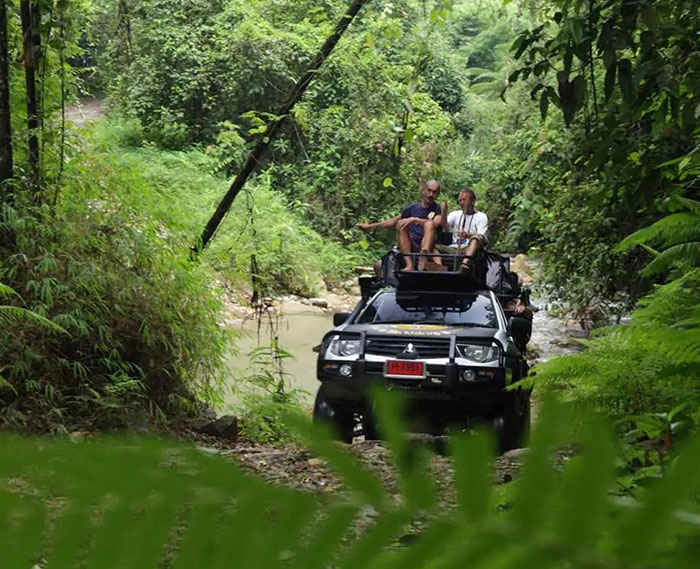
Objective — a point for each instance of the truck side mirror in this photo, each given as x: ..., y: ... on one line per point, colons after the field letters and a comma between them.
x: 340, y: 318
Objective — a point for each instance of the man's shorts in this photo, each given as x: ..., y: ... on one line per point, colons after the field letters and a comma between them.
x: 450, y: 250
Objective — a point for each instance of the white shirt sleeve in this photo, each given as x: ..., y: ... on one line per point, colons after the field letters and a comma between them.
x: 481, y: 224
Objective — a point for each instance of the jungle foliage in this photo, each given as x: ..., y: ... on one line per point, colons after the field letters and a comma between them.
x: 412, y: 93
x: 107, y: 323
x: 383, y: 113
x: 110, y: 326
x: 624, y: 75
x: 143, y: 340
x: 414, y: 90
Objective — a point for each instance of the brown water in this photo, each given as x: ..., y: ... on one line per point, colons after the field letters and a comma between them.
x: 298, y: 334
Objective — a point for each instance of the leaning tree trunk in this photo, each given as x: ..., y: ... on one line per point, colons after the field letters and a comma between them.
x: 6, y: 165
x: 32, y: 111
x: 257, y: 153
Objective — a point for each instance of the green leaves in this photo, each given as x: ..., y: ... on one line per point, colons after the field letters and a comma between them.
x: 679, y: 234
x: 17, y: 316
x: 572, y: 96
x: 136, y: 503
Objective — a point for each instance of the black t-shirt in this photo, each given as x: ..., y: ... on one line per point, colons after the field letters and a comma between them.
x: 420, y: 211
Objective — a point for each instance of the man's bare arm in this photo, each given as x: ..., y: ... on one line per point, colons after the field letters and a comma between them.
x: 441, y: 220
x: 379, y: 224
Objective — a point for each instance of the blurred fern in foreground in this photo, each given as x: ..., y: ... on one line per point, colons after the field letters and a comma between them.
x: 142, y: 504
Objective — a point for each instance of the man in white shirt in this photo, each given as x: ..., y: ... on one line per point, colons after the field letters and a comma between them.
x: 469, y: 227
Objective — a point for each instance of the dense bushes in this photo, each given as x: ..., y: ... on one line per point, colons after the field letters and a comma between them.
x: 144, y: 339
x: 647, y: 366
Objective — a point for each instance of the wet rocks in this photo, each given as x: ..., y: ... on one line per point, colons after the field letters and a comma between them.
x: 521, y: 266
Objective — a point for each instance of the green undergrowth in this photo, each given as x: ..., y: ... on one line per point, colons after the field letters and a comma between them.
x: 650, y: 364
x: 141, y: 339
x: 267, y: 395
x: 144, y: 503
x: 184, y: 189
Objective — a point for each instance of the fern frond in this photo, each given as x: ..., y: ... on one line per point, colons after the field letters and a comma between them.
x: 18, y: 316
x: 689, y: 204
x: 688, y: 253
x: 475, y: 71
x: 6, y: 290
x: 7, y: 384
x: 671, y: 229
x: 486, y: 87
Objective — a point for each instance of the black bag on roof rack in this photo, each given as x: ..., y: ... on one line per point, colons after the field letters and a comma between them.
x: 391, y: 262
x: 499, y: 277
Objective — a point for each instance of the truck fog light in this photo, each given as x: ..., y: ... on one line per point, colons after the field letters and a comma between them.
x: 468, y: 375
x: 346, y: 370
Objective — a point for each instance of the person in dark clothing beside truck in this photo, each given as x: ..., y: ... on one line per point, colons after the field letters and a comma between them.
x: 416, y: 225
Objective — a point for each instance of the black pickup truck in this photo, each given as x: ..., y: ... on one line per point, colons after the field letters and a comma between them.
x: 443, y: 338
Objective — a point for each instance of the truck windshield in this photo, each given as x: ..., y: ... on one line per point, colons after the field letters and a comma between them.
x: 457, y: 310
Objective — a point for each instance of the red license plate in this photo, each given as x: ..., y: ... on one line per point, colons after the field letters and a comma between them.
x: 404, y: 368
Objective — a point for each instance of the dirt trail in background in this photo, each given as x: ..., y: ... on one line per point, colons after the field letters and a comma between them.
x: 86, y: 111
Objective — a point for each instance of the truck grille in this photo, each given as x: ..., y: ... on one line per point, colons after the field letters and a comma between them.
x: 424, y: 348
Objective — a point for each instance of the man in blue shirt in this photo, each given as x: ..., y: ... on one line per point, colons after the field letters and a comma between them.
x: 416, y: 225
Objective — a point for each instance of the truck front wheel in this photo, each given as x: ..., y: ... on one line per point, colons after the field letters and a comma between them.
x: 341, y: 419
x: 512, y: 423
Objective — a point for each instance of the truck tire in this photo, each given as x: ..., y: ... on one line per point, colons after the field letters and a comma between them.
x: 525, y: 420
x: 341, y: 420
x: 369, y: 425
x: 512, y: 423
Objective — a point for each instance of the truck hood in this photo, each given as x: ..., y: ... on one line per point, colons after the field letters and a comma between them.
x: 421, y: 330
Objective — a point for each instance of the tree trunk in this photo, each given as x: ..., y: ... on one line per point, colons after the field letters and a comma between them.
x: 124, y: 23
x: 6, y: 167
x: 30, y: 80
x: 35, y: 14
x: 257, y: 153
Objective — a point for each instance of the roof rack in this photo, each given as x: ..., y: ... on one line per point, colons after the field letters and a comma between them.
x: 437, y: 281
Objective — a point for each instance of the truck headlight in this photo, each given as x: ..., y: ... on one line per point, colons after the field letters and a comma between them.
x: 479, y: 353
x: 341, y: 347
